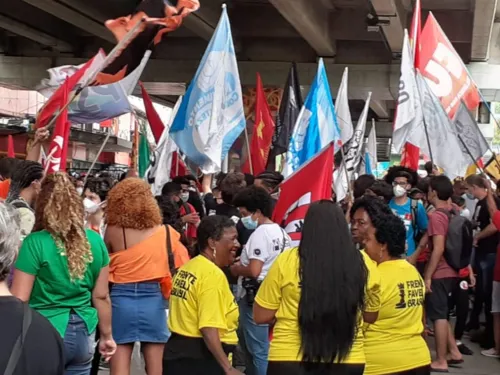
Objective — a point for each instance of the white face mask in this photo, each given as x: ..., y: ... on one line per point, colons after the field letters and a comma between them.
x: 399, y: 191
x: 184, y: 197
x: 79, y: 190
x: 90, y: 206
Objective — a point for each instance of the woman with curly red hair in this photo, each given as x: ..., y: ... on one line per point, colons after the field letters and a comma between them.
x: 139, y: 270
x: 62, y: 270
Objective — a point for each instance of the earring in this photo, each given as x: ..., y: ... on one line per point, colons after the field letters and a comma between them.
x: 215, y: 252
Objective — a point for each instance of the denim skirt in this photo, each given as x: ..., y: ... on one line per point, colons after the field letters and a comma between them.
x: 138, y: 313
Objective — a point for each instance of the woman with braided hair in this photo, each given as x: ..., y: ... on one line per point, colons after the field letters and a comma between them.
x: 62, y: 270
x: 25, y: 186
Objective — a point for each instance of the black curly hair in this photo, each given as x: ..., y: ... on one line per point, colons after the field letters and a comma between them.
x: 390, y: 230
x: 254, y: 198
x: 382, y: 190
x: 398, y: 171
x: 361, y: 184
x: 373, y: 206
x: 211, y: 227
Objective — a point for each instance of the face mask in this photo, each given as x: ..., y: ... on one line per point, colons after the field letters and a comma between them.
x: 465, y: 213
x: 399, y: 191
x: 79, y: 190
x: 470, y: 196
x: 184, y: 197
x: 90, y: 206
x: 249, y: 223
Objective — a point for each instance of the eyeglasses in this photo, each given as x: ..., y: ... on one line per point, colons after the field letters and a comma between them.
x: 396, y: 183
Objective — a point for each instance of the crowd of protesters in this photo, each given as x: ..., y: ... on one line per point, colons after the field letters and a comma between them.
x: 207, y: 283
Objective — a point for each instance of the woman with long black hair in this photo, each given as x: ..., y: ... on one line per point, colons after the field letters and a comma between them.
x: 316, y: 293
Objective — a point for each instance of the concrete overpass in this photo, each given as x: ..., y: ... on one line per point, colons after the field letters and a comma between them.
x: 365, y: 35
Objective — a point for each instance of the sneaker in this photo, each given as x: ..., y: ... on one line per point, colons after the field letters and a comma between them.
x: 490, y: 353
x: 465, y: 350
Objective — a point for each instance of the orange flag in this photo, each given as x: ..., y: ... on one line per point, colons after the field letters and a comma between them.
x: 262, y: 134
x: 10, y: 147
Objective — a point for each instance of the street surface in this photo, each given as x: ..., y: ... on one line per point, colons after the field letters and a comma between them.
x: 474, y: 365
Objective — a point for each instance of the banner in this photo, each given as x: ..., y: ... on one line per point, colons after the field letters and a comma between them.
x: 290, y: 106
x: 316, y: 125
x: 342, y: 110
x: 444, y: 70
x: 311, y: 183
x: 262, y: 135
x: 443, y: 141
x: 371, y: 152
x: 472, y: 142
x: 211, y: 115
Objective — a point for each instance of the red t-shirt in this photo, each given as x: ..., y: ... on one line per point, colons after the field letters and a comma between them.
x: 496, y: 273
x: 4, y: 189
x: 438, y: 226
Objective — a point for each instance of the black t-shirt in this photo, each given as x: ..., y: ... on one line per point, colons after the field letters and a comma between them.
x: 483, y: 219
x: 43, y: 348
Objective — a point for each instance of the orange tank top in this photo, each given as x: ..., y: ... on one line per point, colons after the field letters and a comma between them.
x: 148, y: 260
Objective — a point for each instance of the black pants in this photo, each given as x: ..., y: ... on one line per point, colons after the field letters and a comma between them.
x: 297, y: 368
x: 460, y: 300
x: 192, y: 367
x: 426, y: 370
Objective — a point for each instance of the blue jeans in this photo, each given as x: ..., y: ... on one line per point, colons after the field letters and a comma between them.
x: 79, y: 347
x: 254, y: 339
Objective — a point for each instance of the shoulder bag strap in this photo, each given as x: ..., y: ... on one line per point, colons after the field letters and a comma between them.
x: 18, y: 346
x: 170, y: 253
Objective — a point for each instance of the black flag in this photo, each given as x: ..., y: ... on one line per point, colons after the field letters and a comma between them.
x: 290, y: 106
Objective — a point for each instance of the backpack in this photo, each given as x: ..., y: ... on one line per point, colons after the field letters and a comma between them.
x: 19, y: 203
x: 459, y: 239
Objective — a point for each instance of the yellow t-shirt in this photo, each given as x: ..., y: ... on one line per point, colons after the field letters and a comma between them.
x: 201, y: 298
x: 280, y: 291
x: 394, y: 343
x: 372, y: 303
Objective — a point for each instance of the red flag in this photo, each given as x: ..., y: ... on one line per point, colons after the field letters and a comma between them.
x: 444, y: 70
x: 262, y: 133
x: 59, y: 146
x: 311, y: 183
x: 416, y: 30
x: 56, y: 101
x: 179, y: 168
x: 154, y: 120
x: 411, y: 154
x: 10, y: 147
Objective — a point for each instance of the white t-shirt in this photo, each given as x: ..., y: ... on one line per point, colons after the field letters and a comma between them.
x: 265, y: 244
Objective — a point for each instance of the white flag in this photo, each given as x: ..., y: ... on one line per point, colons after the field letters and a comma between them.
x: 408, y: 114
x: 472, y: 141
x: 371, y: 152
x: 442, y: 138
x: 352, y: 156
x: 158, y: 173
x: 342, y: 110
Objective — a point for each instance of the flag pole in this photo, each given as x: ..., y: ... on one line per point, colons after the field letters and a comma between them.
x: 177, y: 164
x: 97, y: 157
x: 249, y: 156
x: 349, y: 190
x: 108, y: 60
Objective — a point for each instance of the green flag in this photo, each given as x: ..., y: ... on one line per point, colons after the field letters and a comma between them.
x: 143, y: 155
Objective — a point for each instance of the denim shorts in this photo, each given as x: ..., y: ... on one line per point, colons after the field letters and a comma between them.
x: 138, y: 313
x: 79, y: 347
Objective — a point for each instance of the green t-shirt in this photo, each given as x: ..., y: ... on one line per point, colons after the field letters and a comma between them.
x: 54, y: 295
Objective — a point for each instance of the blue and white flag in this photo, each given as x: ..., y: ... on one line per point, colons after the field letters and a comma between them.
x: 95, y: 103
x: 211, y: 115
x: 371, y: 152
x: 316, y: 125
